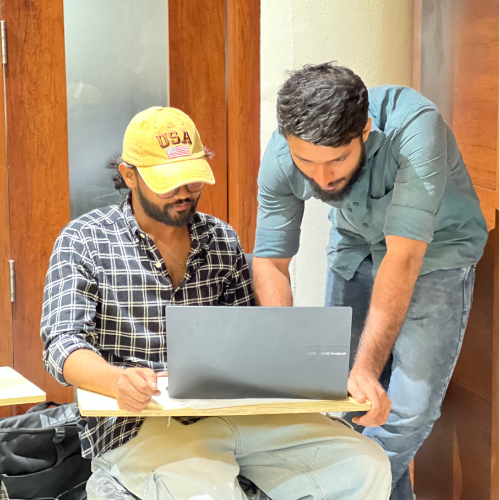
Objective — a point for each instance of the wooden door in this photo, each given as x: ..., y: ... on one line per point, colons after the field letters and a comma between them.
x: 38, y: 177
x: 6, y: 350
x: 227, y: 110
x: 38, y: 168
x: 243, y: 108
x: 197, y: 42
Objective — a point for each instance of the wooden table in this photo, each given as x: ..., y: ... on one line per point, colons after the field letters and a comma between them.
x: 97, y: 405
x: 16, y: 390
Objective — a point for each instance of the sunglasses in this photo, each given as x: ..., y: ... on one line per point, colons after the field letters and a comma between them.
x: 194, y: 187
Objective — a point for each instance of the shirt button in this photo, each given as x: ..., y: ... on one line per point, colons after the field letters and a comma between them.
x: 365, y: 224
x: 158, y: 265
x: 143, y: 235
x: 356, y: 204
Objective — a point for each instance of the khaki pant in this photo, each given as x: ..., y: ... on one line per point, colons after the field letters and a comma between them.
x: 289, y: 457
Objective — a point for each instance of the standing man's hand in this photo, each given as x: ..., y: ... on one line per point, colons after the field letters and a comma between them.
x: 362, y: 386
x: 391, y: 296
x: 135, y: 387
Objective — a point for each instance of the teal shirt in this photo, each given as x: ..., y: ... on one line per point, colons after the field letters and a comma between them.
x: 415, y: 185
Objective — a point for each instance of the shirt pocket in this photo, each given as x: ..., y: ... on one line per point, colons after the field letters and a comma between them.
x: 205, y: 291
x: 377, y: 212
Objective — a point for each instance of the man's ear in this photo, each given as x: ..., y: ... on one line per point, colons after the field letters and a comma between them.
x: 129, y: 175
x: 367, y: 129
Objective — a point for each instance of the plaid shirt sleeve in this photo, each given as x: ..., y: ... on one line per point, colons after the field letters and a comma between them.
x: 239, y: 290
x: 70, y: 298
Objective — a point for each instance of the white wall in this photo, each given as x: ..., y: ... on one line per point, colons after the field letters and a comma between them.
x: 374, y: 39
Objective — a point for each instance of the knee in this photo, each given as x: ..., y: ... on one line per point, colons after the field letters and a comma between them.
x: 372, y: 456
x: 413, y: 420
x: 371, y: 470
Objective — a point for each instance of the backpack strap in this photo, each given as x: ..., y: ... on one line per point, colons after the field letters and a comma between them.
x: 43, y: 406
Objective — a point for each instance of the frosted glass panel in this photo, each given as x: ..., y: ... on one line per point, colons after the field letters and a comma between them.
x: 116, y: 66
x: 437, y: 73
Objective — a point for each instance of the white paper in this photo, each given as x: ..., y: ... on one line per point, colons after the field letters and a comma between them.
x: 204, y: 404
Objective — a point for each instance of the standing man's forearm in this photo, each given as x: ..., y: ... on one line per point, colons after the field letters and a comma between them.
x: 272, y: 282
x: 391, y: 297
x: 392, y: 293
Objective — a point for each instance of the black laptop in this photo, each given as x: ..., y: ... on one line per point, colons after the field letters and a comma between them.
x: 258, y: 352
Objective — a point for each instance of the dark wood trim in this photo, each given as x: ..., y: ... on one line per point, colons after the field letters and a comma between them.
x: 38, y: 169
x: 197, y: 55
x: 243, y: 48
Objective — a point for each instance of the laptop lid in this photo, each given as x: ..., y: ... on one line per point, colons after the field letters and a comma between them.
x: 258, y: 352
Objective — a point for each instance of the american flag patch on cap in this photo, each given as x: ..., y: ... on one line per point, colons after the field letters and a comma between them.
x: 177, y: 151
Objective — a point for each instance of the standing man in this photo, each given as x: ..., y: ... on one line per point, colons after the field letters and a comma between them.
x: 111, y: 274
x: 406, y: 234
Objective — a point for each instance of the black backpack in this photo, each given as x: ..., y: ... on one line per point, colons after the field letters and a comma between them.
x: 40, y: 454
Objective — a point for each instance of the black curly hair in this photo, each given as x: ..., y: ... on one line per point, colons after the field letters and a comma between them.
x: 323, y: 104
x: 112, y: 164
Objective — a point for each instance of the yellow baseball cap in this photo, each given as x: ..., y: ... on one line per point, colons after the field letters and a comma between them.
x: 165, y: 146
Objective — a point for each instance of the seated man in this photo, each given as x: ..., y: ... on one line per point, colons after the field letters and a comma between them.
x: 111, y: 274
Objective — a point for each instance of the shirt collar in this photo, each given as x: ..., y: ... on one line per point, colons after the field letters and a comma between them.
x: 128, y: 214
x: 198, y: 229
x: 375, y: 139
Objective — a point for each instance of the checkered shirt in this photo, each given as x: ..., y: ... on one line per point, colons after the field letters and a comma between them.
x: 106, y: 290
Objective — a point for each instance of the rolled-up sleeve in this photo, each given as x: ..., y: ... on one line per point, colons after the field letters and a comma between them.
x: 280, y: 212
x: 69, y: 306
x: 421, y: 178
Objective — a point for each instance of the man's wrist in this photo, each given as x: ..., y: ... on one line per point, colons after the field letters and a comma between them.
x: 115, y: 376
x: 364, y: 369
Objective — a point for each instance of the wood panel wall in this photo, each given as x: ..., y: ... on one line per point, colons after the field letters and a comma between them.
x: 458, y: 459
x: 475, y: 123
x: 455, y: 462
x: 475, y: 96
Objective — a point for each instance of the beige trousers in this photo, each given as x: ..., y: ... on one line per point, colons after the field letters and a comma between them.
x: 289, y: 457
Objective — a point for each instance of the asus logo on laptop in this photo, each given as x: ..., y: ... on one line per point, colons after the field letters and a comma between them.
x: 315, y: 351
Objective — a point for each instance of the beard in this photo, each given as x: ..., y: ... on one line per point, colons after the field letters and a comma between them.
x: 341, y: 194
x: 163, y: 214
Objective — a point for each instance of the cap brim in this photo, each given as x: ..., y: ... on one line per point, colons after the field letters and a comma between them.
x: 163, y: 178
